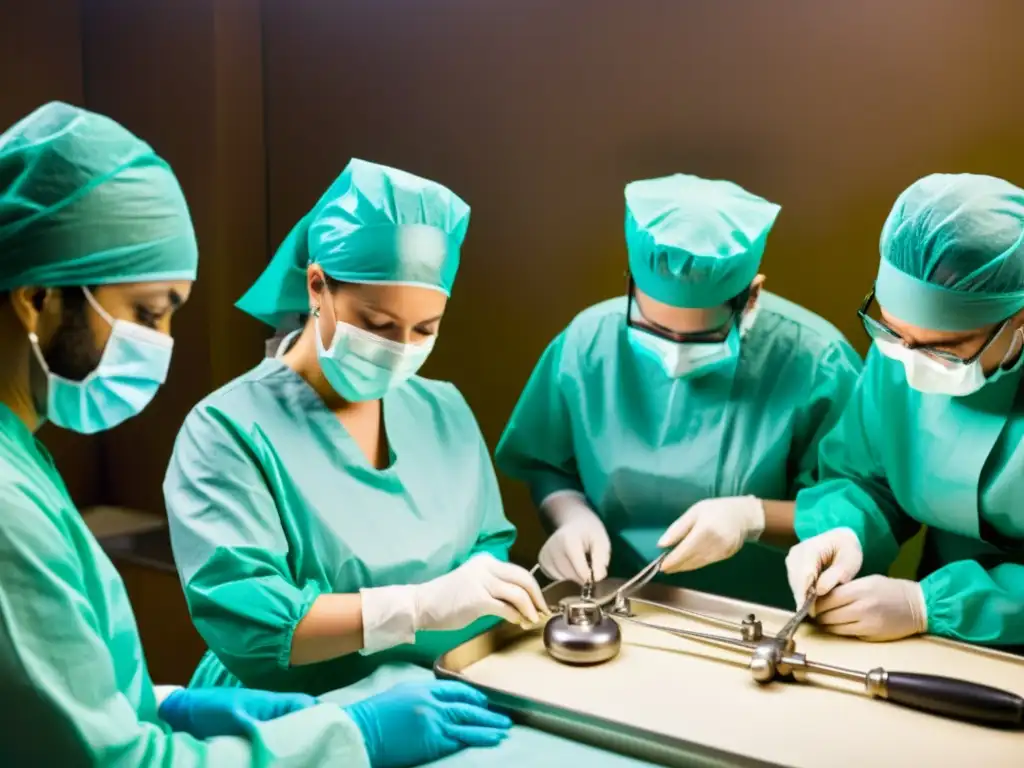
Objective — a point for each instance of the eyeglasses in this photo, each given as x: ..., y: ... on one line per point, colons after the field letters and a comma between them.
x: 711, y: 336
x: 879, y: 331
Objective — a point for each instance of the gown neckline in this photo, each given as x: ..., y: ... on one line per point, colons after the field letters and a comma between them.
x: 314, y: 406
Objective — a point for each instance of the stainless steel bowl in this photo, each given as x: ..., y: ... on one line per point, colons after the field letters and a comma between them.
x: 582, y: 635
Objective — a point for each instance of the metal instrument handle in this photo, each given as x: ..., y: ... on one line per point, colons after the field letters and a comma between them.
x: 719, y: 641
x: 789, y: 629
x: 949, y: 697
x: 706, y: 618
x: 945, y: 696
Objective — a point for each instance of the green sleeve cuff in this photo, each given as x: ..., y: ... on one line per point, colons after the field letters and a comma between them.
x: 807, y: 524
x: 544, y: 483
x: 310, y: 592
x: 818, y: 510
x: 842, y: 504
x: 966, y: 602
x: 496, y: 548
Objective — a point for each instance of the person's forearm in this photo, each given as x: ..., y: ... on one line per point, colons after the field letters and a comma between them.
x: 778, y: 523
x: 332, y: 627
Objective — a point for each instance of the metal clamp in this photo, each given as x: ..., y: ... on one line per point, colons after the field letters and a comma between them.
x: 770, y: 656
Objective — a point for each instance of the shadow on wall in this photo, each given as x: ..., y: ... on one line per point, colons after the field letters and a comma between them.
x: 539, y: 113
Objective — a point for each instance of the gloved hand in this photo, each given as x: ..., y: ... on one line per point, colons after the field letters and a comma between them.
x: 418, y: 723
x: 712, y: 530
x: 579, y: 532
x: 874, y: 608
x: 208, y: 712
x: 483, y: 586
x: 822, y: 562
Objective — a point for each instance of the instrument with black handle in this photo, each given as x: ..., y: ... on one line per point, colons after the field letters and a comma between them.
x: 949, y: 697
x: 945, y: 696
x: 772, y: 657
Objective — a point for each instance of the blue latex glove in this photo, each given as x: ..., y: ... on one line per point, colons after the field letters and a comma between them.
x: 417, y: 723
x: 208, y: 712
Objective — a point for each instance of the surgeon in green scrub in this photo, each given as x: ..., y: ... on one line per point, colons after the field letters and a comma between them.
x: 934, y: 435
x: 331, y: 511
x: 686, y: 414
x: 97, y: 252
x: 335, y: 517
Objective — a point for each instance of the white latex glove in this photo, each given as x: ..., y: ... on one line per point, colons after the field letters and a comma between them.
x: 874, y: 608
x: 822, y: 562
x: 712, y: 530
x: 578, y: 532
x: 482, y: 586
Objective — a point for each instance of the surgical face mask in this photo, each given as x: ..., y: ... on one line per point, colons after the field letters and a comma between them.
x: 933, y: 377
x: 362, y: 366
x: 131, y: 369
x: 684, y: 360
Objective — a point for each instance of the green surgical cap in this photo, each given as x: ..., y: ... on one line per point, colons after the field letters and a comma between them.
x: 692, y: 242
x: 373, y: 225
x: 953, y: 253
x: 84, y: 202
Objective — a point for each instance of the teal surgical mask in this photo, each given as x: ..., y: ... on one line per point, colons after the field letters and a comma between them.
x: 132, y: 367
x: 362, y: 366
x: 685, y: 360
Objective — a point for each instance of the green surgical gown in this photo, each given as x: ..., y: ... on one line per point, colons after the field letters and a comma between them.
x: 598, y: 418
x: 271, y: 503
x: 899, y: 459
x: 73, y: 677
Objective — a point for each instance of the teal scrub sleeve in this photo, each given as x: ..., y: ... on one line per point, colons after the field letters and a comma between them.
x: 231, y: 551
x: 834, y: 380
x: 61, y: 683
x: 966, y: 602
x: 537, y: 446
x: 853, y: 491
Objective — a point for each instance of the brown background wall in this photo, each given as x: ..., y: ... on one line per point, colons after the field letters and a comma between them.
x: 538, y: 113
x: 535, y: 112
x: 41, y: 60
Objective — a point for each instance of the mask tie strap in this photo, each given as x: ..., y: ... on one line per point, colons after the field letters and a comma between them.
x: 34, y: 342
x: 96, y: 306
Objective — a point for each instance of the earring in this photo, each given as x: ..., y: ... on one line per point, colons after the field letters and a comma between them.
x: 314, y: 311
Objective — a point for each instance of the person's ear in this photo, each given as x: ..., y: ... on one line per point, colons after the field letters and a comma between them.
x: 34, y: 305
x: 1017, y: 320
x: 1016, y: 343
x: 1016, y: 328
x: 315, y: 284
x: 755, y: 292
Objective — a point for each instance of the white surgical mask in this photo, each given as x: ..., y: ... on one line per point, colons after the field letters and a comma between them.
x: 932, y: 377
x: 682, y: 360
x: 361, y: 366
